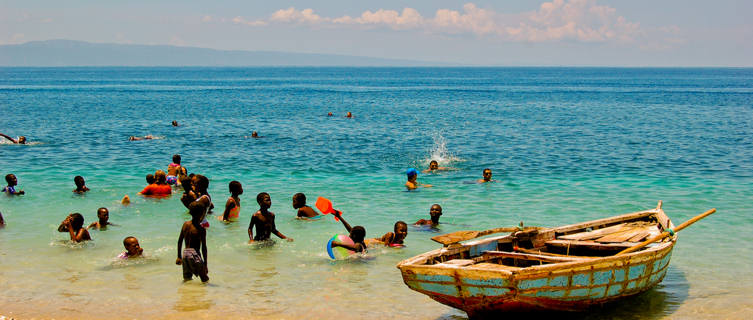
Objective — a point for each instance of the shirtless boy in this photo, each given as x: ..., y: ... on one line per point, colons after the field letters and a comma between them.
x: 103, y: 215
x: 304, y: 211
x: 264, y: 220
x: 195, y: 237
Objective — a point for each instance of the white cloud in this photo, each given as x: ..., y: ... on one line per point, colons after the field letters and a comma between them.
x: 558, y: 20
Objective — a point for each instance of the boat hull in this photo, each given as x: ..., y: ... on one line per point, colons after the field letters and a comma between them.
x: 575, y: 284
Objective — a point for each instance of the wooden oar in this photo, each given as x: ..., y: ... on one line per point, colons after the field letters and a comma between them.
x: 668, y: 233
x: 457, y: 236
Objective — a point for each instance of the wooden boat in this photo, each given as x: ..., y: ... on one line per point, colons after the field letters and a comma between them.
x: 565, y: 268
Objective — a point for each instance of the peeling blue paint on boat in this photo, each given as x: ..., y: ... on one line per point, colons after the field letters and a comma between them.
x: 477, y: 250
x: 434, y: 278
x: 534, y: 283
x: 631, y: 285
x: 578, y: 292
x: 602, y: 277
x: 581, y: 279
x: 497, y: 282
x: 445, y: 289
x: 486, y: 291
x: 551, y: 293
x: 598, y: 292
x: 619, y: 275
x: 636, y: 272
x: 614, y: 290
x: 560, y: 281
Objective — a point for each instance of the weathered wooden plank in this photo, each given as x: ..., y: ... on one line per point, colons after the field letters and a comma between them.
x: 589, y: 244
x: 606, y: 221
x: 624, y: 235
x: 590, y: 235
x: 528, y: 256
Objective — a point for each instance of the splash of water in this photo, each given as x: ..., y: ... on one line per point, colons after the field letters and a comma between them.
x: 439, y: 151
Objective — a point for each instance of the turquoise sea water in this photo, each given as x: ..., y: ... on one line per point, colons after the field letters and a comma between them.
x: 565, y: 144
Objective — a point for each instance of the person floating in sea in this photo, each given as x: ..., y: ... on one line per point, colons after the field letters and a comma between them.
x: 175, y: 123
x: 233, y: 204
x: 412, y: 184
x: 103, y: 216
x: 487, y: 174
x: 195, y: 236
x: 146, y: 137
x: 435, y: 212
x: 304, y: 211
x: 264, y: 221
x: 19, y: 140
x: 133, y: 249
x: 349, y: 115
x: 357, y: 234
x: 175, y: 170
x: 392, y: 239
x: 329, y: 114
x: 73, y: 224
x: 12, y: 181
x: 80, y: 184
x: 159, y: 188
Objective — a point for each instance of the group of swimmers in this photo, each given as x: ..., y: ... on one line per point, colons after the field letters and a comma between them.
x: 197, y: 200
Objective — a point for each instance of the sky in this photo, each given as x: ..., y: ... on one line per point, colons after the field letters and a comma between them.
x: 481, y: 32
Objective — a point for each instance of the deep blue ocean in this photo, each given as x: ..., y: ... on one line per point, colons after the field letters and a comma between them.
x: 565, y: 145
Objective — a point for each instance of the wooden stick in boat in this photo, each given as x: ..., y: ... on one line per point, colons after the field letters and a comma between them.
x: 457, y: 236
x: 668, y: 233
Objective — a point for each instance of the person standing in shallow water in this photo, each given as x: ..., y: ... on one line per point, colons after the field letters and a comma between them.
x: 264, y: 221
x: 194, y: 257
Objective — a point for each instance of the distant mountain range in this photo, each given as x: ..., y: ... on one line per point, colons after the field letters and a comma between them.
x: 65, y: 53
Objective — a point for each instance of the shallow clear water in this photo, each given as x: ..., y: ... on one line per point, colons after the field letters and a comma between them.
x: 566, y: 145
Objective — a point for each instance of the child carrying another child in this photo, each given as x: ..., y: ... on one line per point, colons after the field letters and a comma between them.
x: 264, y: 220
x: 195, y: 237
x: 175, y: 171
x: 74, y: 223
x: 12, y: 183
x: 356, y: 234
x: 133, y: 249
x: 233, y: 204
x: 304, y: 211
x: 80, y: 184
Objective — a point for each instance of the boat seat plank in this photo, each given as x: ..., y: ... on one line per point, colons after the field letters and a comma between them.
x: 458, y: 262
x: 625, y: 234
x: 590, y: 244
x: 493, y: 266
x: 590, y: 235
x: 529, y: 256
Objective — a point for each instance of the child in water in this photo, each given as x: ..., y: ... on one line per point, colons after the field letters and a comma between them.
x: 74, y: 223
x: 304, y: 211
x: 12, y: 183
x: 195, y: 237
x: 2, y: 221
x: 103, y: 215
x: 80, y: 184
x: 412, y: 184
x: 393, y: 239
x: 435, y: 212
x: 175, y: 170
x: 357, y: 234
x: 264, y: 220
x: 133, y: 249
x: 233, y: 204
